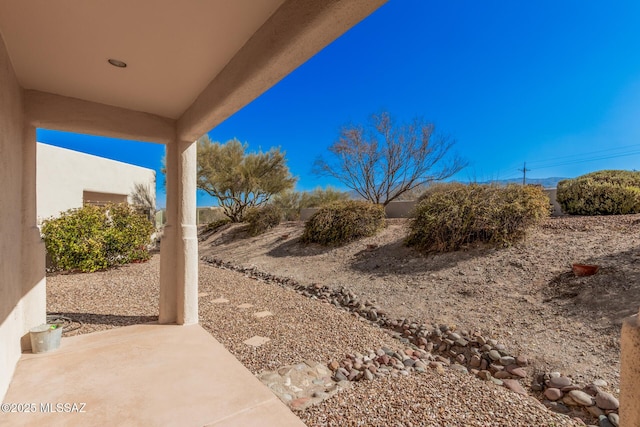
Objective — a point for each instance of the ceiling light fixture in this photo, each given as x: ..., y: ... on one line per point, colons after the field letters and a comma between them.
x: 117, y: 63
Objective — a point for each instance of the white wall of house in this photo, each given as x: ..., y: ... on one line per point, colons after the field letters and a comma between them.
x: 65, y: 176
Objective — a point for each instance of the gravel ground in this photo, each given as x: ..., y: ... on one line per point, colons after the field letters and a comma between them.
x: 299, y: 329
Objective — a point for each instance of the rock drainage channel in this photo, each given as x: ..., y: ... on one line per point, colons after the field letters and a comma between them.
x: 426, y: 347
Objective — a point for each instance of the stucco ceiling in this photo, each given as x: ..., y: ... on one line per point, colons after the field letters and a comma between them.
x: 172, y: 47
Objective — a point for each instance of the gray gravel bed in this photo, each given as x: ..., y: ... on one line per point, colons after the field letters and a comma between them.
x: 431, y: 399
x: 299, y: 329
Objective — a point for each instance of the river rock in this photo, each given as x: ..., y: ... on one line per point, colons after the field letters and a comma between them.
x: 568, y: 400
x: 603, y: 421
x: 522, y: 360
x: 552, y: 393
x: 485, y: 375
x: 581, y: 397
x: 595, y: 411
x: 516, y: 371
x: 606, y: 400
x: 507, y: 360
x: 474, y: 362
x: 494, y: 355
x: 514, y: 385
x: 459, y: 368
x: 599, y: 383
x: 502, y: 375
x: 559, y: 382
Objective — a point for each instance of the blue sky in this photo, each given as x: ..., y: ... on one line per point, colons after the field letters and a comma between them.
x: 552, y: 83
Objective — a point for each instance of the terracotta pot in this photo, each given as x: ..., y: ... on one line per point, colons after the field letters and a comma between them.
x: 585, y: 269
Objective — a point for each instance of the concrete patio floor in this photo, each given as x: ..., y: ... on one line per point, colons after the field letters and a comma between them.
x: 143, y: 375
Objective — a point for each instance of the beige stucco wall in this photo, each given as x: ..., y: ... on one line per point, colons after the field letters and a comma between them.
x: 64, y: 175
x: 552, y: 193
x: 399, y: 209
x: 11, y: 136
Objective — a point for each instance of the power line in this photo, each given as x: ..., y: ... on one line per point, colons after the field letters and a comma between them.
x: 581, y: 159
x: 586, y: 155
x: 591, y: 159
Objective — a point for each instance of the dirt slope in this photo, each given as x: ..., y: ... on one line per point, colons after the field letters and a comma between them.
x: 525, y: 295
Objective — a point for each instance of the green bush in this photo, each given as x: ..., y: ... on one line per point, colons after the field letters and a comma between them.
x: 450, y: 216
x: 262, y: 219
x: 608, y: 192
x: 128, y: 234
x: 94, y: 238
x: 342, y: 222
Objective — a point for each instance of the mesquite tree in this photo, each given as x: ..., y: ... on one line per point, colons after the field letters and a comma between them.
x: 240, y: 180
x: 384, y: 160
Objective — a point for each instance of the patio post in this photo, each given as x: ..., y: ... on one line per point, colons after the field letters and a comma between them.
x: 179, y: 249
x: 34, y: 306
x: 168, y: 245
x: 188, y: 282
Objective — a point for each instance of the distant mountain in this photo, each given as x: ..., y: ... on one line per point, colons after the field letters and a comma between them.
x: 551, y: 182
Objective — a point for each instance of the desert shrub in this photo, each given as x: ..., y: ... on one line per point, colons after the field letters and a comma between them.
x: 292, y: 201
x: 289, y: 203
x: 322, y: 197
x: 608, y: 192
x: 437, y: 187
x: 210, y: 214
x: 94, y: 238
x: 342, y: 222
x: 262, y: 219
x: 450, y: 216
x: 215, y: 225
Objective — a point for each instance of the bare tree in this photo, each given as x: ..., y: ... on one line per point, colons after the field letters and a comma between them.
x: 383, y: 161
x: 142, y: 196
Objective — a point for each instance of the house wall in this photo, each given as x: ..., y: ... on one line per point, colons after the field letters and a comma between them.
x: 553, y: 193
x: 11, y: 160
x: 63, y: 177
x: 399, y: 209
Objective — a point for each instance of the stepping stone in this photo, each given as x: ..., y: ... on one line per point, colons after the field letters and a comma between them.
x: 220, y: 301
x: 256, y: 341
x: 261, y: 314
x: 245, y: 305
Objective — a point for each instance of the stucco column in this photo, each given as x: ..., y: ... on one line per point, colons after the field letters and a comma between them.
x: 188, y: 258
x: 34, y: 300
x: 630, y: 372
x: 179, y: 247
x: 168, y: 245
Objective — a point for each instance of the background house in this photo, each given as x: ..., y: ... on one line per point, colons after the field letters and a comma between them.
x: 68, y: 179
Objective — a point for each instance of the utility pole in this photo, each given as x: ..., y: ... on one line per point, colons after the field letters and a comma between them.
x: 524, y: 171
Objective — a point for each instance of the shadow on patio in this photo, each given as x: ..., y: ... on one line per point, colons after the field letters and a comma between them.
x: 147, y: 375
